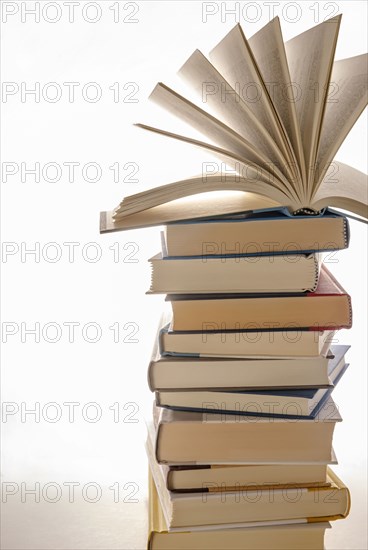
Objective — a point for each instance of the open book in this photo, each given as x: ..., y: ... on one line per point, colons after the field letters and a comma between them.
x: 276, y: 114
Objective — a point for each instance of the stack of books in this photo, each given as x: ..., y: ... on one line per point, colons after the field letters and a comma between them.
x: 243, y: 369
x: 240, y: 446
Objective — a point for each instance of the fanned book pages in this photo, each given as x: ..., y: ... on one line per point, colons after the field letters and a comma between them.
x: 278, y: 138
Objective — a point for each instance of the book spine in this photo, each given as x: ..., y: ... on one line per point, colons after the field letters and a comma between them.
x: 157, y: 398
x: 169, y: 484
x: 350, y: 312
x: 156, y: 443
x: 149, y: 375
x: 161, y: 347
x: 317, y: 263
x: 346, y: 232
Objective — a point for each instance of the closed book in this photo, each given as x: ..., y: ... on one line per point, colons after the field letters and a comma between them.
x: 252, y: 234
x: 225, y: 477
x: 284, y: 403
x: 221, y: 477
x: 194, y: 373
x: 224, y: 274
x: 184, y: 437
x: 224, y: 508
x: 327, y: 307
x: 251, y: 343
x: 275, y: 535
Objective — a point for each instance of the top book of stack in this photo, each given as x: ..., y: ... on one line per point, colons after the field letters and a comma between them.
x: 275, y: 114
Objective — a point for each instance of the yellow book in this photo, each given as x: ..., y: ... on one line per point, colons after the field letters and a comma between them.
x: 261, y: 536
x: 246, y: 506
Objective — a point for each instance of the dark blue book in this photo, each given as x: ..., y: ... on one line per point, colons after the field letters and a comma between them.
x: 290, y: 403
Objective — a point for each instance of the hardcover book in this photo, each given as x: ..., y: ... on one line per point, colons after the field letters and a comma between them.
x: 272, y: 232
x: 281, y: 343
x: 200, y: 373
x: 185, y: 437
x: 327, y: 307
x: 225, y: 477
x: 260, y: 504
x: 298, y: 403
x: 228, y: 274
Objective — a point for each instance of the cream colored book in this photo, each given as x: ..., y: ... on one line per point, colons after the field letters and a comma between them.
x: 262, y: 536
x: 198, y: 373
x: 255, y: 235
x: 259, y: 504
x: 329, y: 306
x: 226, y: 477
x: 274, y: 132
x: 294, y: 273
x: 184, y: 437
x: 255, y: 344
x: 222, y: 477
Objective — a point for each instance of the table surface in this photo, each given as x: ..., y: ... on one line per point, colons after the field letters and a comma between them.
x: 106, y: 525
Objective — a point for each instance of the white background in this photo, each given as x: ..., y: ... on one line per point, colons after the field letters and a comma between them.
x: 111, y: 291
